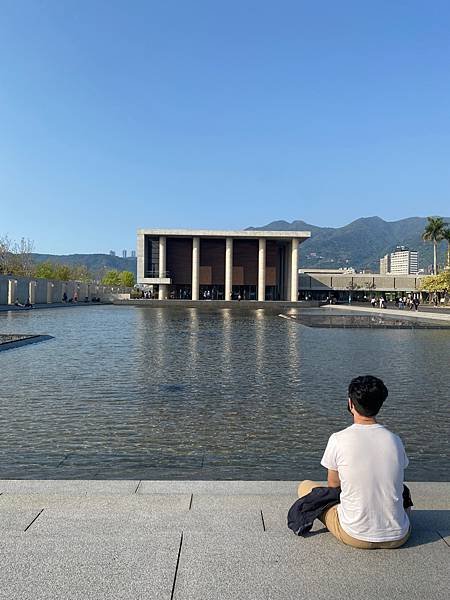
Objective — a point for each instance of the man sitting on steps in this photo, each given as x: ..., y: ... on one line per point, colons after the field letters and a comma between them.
x: 367, y: 461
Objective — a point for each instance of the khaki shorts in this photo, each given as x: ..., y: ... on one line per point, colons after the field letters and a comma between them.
x: 330, y: 519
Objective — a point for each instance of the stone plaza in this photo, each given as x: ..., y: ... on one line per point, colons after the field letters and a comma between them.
x: 191, y: 540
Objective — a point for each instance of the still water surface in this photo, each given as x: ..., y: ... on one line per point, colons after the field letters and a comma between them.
x: 170, y: 393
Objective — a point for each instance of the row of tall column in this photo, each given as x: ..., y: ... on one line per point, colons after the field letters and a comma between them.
x: 292, y: 273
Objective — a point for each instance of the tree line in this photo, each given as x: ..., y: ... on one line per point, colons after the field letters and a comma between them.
x: 16, y: 259
x: 436, y: 231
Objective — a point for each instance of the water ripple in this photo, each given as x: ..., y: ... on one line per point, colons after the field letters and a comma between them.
x: 170, y: 393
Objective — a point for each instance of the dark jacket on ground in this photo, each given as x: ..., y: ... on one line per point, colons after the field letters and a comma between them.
x: 305, y: 510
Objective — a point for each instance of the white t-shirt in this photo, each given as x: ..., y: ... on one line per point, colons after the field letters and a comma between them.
x: 370, y: 461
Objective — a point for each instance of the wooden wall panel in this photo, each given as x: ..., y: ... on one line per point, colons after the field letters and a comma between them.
x: 179, y: 260
x: 212, y: 254
x: 271, y: 276
x: 245, y: 254
x: 205, y: 276
x: 271, y: 262
x: 238, y: 275
x: 212, y: 261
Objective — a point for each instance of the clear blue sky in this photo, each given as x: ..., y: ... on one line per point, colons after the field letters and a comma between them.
x: 116, y: 115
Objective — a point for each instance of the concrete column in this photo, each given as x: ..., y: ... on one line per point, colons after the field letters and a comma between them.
x: 32, y: 292
x: 262, y: 270
x: 162, y: 267
x: 195, y: 267
x: 287, y: 266
x: 294, y: 270
x: 49, y: 292
x: 228, y: 268
x: 12, y: 291
x: 141, y: 261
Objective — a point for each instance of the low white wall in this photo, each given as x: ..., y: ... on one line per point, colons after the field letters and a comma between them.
x: 47, y: 291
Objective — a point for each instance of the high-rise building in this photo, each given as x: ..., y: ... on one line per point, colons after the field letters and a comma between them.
x: 133, y: 254
x: 402, y: 261
x: 385, y: 264
x: 124, y: 253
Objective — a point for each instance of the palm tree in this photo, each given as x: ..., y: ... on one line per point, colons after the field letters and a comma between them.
x: 446, y: 237
x: 434, y: 232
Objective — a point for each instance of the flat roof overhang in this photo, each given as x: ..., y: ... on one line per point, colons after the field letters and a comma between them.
x: 211, y: 233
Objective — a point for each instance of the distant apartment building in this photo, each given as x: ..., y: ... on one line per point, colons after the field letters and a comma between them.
x: 402, y: 261
x: 133, y: 254
x: 124, y: 253
x: 385, y: 264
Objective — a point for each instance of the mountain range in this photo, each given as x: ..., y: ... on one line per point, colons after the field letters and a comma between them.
x: 360, y: 244
x: 97, y: 264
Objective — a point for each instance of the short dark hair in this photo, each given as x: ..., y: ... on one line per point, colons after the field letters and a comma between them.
x: 367, y: 394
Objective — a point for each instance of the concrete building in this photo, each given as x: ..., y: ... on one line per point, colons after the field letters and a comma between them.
x: 358, y: 286
x: 337, y: 271
x: 385, y: 264
x: 124, y: 253
x: 400, y: 262
x: 404, y: 261
x: 133, y: 254
x: 219, y: 265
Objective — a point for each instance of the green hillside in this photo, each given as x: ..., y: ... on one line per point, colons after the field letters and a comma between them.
x: 97, y: 264
x: 360, y: 244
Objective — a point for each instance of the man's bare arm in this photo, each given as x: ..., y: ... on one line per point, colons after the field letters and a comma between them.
x: 333, y: 479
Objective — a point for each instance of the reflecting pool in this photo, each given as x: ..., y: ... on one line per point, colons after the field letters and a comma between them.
x: 175, y: 393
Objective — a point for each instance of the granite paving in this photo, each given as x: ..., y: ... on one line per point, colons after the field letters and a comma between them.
x: 200, y: 540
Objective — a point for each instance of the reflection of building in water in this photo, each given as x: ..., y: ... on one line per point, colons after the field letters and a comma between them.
x: 293, y: 353
x: 226, y: 342
x: 260, y: 341
x: 193, y: 338
x: 376, y: 321
x: 151, y: 334
x: 220, y: 265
